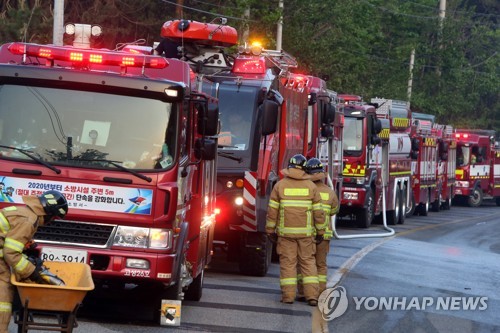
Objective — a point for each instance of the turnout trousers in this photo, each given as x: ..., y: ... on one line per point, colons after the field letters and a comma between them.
x: 322, y: 250
x: 297, y: 254
x: 6, y: 296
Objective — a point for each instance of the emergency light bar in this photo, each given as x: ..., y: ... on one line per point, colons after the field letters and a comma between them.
x: 249, y: 65
x: 85, y: 56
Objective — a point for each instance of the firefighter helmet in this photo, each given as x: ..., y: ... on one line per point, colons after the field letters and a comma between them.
x: 297, y: 161
x: 54, y: 203
x: 314, y: 165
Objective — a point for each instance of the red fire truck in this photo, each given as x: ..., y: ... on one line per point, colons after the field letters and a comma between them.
x: 267, y: 115
x: 132, y: 147
x: 324, y: 139
x: 478, y: 167
x: 376, y: 158
x: 424, y: 154
x: 447, y: 158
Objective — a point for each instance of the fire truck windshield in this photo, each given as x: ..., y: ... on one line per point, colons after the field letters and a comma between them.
x: 237, y: 106
x: 353, y: 136
x: 86, y: 129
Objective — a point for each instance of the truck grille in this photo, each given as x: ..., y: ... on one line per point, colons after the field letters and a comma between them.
x: 65, y: 232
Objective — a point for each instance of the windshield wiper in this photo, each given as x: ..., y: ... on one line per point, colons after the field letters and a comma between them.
x: 228, y: 155
x: 34, y: 158
x: 119, y: 166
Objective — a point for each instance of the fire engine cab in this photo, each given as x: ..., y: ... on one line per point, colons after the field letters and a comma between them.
x: 478, y: 167
x: 376, y: 159
x: 132, y: 147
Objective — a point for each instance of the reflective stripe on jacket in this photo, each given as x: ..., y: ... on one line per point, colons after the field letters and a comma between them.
x: 294, y: 208
x: 329, y: 204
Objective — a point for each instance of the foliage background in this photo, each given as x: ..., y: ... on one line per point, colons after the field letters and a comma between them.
x: 362, y: 46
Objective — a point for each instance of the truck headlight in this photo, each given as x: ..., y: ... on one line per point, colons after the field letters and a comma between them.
x: 160, y: 238
x: 142, y: 237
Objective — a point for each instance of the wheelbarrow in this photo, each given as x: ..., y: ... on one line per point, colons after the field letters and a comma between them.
x: 60, y: 302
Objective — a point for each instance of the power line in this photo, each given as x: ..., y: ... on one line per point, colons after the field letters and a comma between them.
x: 209, y: 13
x: 399, y: 13
x: 211, y: 4
x: 455, y: 11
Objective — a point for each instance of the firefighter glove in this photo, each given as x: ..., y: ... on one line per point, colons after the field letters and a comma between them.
x: 36, y: 261
x: 319, y: 239
x: 273, y: 238
x: 36, y: 276
x: 42, y: 275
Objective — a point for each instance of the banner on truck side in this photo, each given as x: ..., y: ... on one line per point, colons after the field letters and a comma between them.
x: 80, y: 195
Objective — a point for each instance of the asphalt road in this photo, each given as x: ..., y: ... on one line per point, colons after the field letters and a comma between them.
x: 450, y: 257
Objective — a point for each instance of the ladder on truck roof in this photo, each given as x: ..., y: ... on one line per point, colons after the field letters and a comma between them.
x: 280, y: 59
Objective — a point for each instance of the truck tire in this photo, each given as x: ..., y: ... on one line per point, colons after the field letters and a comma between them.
x: 364, y: 217
x: 497, y: 201
x: 393, y: 215
x: 255, y: 253
x: 476, y: 197
x: 436, y: 204
x: 424, y: 208
x: 446, y: 204
x: 410, y: 209
x: 402, y: 205
x: 195, y: 289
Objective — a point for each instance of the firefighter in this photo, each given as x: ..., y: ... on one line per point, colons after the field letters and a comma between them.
x: 330, y: 205
x: 294, y: 216
x: 18, y: 224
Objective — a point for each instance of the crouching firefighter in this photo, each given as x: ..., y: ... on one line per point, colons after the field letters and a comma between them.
x: 18, y: 225
x: 295, y: 216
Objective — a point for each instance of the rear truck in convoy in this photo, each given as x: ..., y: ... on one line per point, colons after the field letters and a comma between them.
x: 376, y: 158
x: 424, y: 166
x: 132, y: 147
x: 478, y: 167
x: 447, y: 161
x: 266, y: 113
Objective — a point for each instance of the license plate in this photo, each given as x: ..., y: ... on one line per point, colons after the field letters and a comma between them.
x: 64, y: 255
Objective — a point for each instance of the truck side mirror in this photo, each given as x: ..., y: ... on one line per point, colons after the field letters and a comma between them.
x: 205, y: 149
x: 415, y: 146
x: 327, y: 131
x: 443, y: 150
x: 377, y: 126
x: 269, y: 111
x: 328, y: 113
x: 208, y: 119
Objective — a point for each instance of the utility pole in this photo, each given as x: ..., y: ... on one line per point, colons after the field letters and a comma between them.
x: 279, y: 32
x: 442, y: 15
x: 410, y: 80
x: 246, y: 27
x: 57, y: 34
